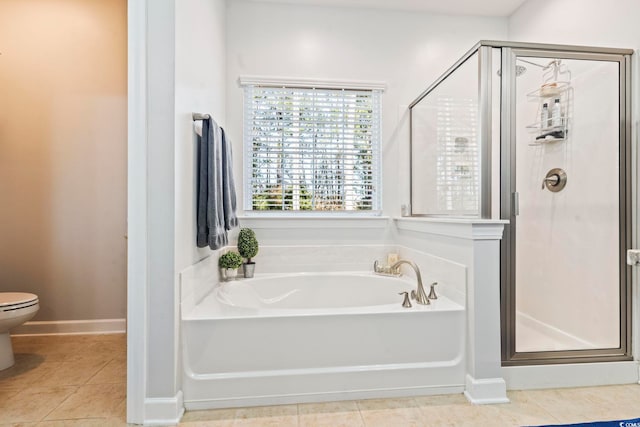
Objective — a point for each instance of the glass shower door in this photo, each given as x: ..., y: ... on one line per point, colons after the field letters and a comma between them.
x: 568, y: 208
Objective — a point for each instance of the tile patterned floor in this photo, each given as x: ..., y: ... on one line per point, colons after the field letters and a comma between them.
x: 78, y: 381
x: 69, y: 380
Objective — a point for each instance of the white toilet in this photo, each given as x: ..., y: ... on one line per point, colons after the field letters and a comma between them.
x: 15, y: 309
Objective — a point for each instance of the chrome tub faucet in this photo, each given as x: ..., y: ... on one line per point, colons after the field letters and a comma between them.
x: 419, y: 295
x: 394, y: 270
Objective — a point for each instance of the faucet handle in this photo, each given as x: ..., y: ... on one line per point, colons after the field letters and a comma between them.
x: 432, y: 292
x: 376, y: 268
x: 406, y: 303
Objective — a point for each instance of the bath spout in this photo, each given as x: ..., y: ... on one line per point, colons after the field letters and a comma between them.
x: 419, y: 295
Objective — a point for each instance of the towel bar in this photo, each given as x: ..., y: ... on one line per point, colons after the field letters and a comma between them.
x: 199, y: 116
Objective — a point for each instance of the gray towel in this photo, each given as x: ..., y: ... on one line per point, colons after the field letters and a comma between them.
x: 229, y: 188
x: 216, y: 193
x: 202, y: 239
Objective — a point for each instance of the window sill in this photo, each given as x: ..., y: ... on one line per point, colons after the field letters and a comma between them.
x: 314, y: 221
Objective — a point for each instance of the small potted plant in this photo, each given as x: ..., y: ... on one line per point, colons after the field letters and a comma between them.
x: 248, y: 248
x: 229, y: 264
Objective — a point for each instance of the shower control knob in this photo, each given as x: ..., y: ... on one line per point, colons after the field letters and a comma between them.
x: 555, y: 180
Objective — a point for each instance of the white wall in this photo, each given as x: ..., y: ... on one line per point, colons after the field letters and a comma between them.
x: 580, y: 22
x: 63, y: 180
x: 200, y: 70
x: 177, y: 67
x: 407, y: 50
x: 200, y: 87
x: 161, y: 299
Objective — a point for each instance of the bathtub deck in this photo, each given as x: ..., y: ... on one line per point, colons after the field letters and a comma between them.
x: 210, y: 309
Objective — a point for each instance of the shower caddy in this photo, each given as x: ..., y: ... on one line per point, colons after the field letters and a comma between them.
x: 556, y: 85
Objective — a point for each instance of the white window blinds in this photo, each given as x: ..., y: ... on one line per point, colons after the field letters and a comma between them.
x: 311, y: 149
x: 458, y: 158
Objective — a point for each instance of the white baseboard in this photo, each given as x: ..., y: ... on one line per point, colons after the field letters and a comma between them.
x: 163, y: 411
x: 71, y: 327
x: 485, y: 391
x: 198, y: 405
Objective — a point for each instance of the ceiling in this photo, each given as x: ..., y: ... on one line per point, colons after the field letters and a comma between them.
x: 448, y: 7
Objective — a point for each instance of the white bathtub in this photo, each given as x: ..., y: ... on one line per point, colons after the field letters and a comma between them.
x: 318, y: 336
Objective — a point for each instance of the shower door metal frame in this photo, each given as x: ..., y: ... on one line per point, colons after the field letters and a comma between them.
x: 508, y: 202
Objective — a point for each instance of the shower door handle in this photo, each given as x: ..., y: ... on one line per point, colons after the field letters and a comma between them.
x: 515, y: 203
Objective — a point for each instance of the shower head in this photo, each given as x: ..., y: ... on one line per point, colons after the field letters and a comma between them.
x: 520, y: 70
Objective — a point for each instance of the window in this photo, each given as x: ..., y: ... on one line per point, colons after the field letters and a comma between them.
x: 311, y: 149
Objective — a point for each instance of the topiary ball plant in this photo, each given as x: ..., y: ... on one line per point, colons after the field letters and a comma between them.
x: 230, y: 260
x: 247, y: 244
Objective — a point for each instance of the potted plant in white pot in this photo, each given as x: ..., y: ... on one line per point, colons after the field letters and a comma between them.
x: 248, y: 248
x: 229, y: 264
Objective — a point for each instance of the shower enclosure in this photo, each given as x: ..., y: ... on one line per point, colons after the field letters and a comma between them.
x: 538, y: 135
